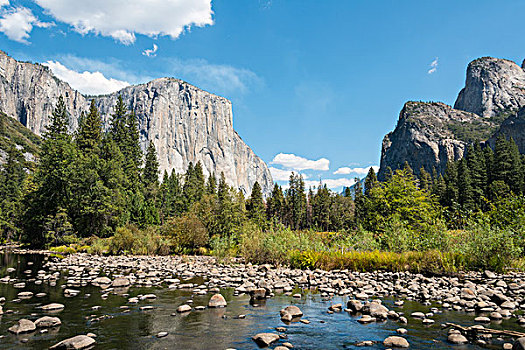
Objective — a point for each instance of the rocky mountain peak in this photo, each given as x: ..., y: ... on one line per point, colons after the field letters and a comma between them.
x: 186, y: 124
x: 492, y: 86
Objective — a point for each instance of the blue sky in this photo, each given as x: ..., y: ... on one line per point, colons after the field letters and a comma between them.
x: 315, y: 85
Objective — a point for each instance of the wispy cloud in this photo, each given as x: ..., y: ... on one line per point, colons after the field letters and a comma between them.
x: 18, y: 22
x: 220, y: 78
x: 151, y: 52
x: 294, y: 162
x: 122, y: 19
x: 433, y: 66
x: 90, y: 83
x: 357, y: 171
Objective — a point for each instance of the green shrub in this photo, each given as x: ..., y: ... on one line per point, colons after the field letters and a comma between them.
x: 132, y: 240
x: 187, y: 232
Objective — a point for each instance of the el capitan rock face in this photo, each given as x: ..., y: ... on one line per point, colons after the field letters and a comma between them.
x: 185, y: 123
x: 430, y: 134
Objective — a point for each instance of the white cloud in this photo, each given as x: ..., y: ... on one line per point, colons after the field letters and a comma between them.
x: 358, y: 171
x: 151, y: 52
x: 433, y: 66
x: 279, y: 174
x: 122, y: 19
x: 214, y: 77
x: 283, y: 175
x: 331, y: 183
x: 89, y: 83
x: 17, y: 22
x: 4, y: 3
x: 291, y: 161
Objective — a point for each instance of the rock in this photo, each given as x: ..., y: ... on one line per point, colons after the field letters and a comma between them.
x: 186, y: 124
x: 265, y: 339
x: 75, y: 343
x: 519, y: 344
x: 493, y: 85
x: 23, y: 326
x: 354, y: 305
x: 423, y: 137
x: 457, y: 338
x: 378, y: 311
x: 292, y: 310
x: 101, y: 281
x: 335, y: 307
x: 120, y: 282
x: 53, y: 307
x: 417, y: 314
x: 489, y: 274
x: 395, y: 341
x: 482, y: 319
x: 217, y: 300
x: 162, y: 334
x: 184, y: 308
x: 47, y: 322
x: 258, y: 293
x: 25, y: 295
x: 366, y: 319
x: 401, y: 331
x: 68, y: 293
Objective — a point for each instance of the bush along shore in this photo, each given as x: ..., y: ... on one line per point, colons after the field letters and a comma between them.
x: 487, y: 296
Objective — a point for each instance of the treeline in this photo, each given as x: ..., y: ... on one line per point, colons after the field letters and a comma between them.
x: 98, y: 189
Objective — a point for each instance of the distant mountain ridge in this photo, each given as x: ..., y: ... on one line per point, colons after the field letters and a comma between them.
x: 186, y: 124
x: 429, y: 134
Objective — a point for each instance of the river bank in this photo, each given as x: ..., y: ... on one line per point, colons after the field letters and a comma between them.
x: 489, y: 299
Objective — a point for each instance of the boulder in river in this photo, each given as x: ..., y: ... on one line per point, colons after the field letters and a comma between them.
x: 265, y: 339
x: 217, y: 300
x: 76, y: 343
x: 53, y: 307
x: 292, y: 310
x: 184, y: 308
x: 23, y: 326
x: 120, y: 282
x: 47, y: 322
x: 519, y: 344
x: 396, y: 342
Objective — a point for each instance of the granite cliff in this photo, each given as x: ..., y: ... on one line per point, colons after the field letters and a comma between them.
x: 185, y: 123
x: 429, y: 134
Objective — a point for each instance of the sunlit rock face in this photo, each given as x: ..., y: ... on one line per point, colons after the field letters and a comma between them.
x: 186, y: 124
x: 429, y: 134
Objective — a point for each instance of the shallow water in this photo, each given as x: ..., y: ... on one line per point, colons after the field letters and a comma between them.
x: 207, y: 329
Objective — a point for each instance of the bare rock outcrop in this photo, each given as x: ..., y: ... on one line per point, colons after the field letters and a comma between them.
x: 492, y: 86
x: 428, y: 135
x: 186, y: 124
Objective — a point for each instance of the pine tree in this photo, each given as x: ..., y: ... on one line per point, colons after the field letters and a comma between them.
x: 211, y: 184
x: 370, y: 181
x: 296, y: 202
x: 478, y: 174
x: 425, y: 180
x: 150, y: 176
x: 89, y: 134
x: 465, y: 193
x: 360, y: 202
x: 59, y: 122
x: 275, y: 207
x: 255, y: 205
x: 12, y: 177
x: 51, y: 188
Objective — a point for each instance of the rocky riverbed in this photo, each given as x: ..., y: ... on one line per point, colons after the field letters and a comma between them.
x: 271, y: 306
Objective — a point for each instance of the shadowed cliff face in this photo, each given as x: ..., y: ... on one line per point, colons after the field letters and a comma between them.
x: 185, y: 123
x: 430, y: 134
